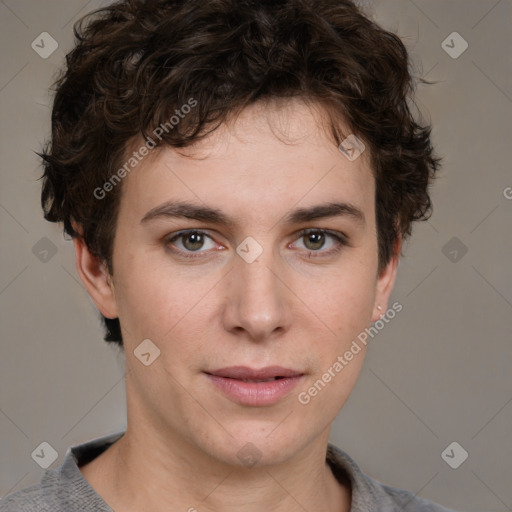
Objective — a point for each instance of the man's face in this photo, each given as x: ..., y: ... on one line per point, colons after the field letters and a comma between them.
x: 210, y: 301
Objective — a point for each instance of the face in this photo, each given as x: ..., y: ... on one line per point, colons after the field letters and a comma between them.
x: 231, y: 257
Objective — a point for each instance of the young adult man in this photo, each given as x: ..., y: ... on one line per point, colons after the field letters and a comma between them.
x: 238, y: 177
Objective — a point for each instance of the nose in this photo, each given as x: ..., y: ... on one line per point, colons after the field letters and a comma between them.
x: 258, y: 302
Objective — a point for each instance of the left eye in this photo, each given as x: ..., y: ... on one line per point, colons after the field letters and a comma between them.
x: 316, y: 239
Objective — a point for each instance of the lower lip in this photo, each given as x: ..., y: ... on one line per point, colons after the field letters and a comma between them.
x: 255, y: 393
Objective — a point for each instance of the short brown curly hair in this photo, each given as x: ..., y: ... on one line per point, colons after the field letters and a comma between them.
x: 136, y: 62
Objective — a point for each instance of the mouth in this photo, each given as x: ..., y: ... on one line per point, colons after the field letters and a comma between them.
x: 261, y: 380
x: 255, y: 387
x: 252, y: 374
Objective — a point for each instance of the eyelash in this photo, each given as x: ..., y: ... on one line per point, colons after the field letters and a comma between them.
x: 340, y: 239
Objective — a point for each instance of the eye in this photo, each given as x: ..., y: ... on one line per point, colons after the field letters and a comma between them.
x: 191, y: 241
x: 316, y: 239
x: 186, y: 243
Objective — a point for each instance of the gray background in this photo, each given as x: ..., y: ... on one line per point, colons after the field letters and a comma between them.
x: 438, y: 373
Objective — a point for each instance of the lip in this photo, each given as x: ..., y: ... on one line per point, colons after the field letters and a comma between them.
x: 232, y: 382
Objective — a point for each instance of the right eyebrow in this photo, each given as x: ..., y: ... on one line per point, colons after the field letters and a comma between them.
x: 177, y: 209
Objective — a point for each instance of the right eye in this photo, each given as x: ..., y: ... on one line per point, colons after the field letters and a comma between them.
x: 190, y: 241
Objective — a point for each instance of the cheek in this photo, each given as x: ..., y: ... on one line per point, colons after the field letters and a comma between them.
x: 346, y: 303
x: 345, y: 310
x: 149, y: 303
x: 165, y: 305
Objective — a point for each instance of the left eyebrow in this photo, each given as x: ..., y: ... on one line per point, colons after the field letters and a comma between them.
x: 323, y: 211
x: 177, y: 209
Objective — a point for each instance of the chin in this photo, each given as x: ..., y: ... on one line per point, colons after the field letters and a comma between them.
x: 258, y: 444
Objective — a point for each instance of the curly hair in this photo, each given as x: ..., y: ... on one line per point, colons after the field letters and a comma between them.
x: 135, y: 62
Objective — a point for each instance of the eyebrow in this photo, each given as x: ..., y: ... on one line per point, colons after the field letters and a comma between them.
x: 182, y: 209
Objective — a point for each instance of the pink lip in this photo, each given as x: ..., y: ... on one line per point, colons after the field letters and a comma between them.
x: 232, y: 382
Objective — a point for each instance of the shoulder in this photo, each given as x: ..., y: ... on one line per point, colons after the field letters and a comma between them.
x: 369, y: 494
x: 409, y: 502
x: 63, y: 488
x: 30, y: 499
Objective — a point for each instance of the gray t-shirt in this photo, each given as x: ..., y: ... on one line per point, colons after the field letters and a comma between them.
x: 64, y: 489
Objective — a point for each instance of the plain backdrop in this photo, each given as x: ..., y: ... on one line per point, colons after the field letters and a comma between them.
x: 438, y: 373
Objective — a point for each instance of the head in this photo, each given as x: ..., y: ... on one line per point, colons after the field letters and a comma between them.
x: 226, y: 118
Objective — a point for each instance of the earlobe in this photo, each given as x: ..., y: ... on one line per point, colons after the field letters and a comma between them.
x: 95, y: 276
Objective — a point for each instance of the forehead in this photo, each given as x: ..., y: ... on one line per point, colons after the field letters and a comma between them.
x: 263, y: 161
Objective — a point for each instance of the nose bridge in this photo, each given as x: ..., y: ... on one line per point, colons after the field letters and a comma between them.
x: 256, y: 300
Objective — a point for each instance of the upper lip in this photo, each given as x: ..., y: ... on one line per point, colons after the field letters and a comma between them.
x: 244, y: 372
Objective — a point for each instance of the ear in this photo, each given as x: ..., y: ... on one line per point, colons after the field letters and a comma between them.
x: 96, y: 279
x: 385, y: 283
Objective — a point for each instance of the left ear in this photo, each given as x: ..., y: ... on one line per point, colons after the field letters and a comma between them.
x: 385, y: 283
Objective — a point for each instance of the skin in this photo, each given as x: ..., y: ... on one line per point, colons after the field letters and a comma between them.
x: 295, y: 306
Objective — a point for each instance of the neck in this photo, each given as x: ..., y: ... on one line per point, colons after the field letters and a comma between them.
x: 137, y: 474
x: 153, y: 467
